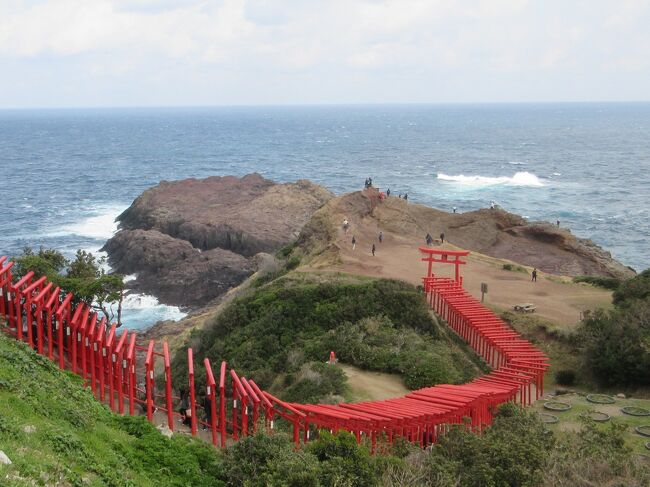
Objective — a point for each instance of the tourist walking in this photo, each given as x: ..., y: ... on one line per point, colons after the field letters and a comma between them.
x: 381, y: 237
x: 429, y: 240
x: 442, y: 237
x: 354, y: 242
x: 454, y: 208
x: 207, y: 410
x: 373, y: 249
x: 346, y: 225
x: 534, y: 276
x: 388, y: 193
x: 406, y: 196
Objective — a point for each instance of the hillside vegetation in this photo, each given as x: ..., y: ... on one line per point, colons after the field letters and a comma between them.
x: 56, y: 433
x: 281, y: 334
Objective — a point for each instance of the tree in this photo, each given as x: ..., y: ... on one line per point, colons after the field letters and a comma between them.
x: 84, y: 277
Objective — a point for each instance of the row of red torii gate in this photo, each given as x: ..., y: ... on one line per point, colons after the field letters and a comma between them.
x: 121, y: 370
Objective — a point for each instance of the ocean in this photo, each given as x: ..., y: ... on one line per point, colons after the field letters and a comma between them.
x: 66, y: 174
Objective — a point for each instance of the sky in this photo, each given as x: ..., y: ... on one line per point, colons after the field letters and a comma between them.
x: 96, y: 53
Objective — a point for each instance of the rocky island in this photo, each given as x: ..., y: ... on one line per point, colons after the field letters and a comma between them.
x: 190, y: 241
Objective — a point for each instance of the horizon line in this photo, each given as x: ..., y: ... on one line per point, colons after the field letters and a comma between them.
x: 334, y: 104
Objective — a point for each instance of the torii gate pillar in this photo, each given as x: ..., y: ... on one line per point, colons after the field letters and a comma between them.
x: 443, y: 256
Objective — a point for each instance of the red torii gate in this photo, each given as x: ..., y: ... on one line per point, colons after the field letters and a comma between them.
x: 443, y: 256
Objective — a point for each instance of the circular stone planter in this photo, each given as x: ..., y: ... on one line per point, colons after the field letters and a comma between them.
x: 647, y: 445
x: 548, y: 418
x: 557, y: 406
x: 643, y: 430
x: 635, y: 411
x: 600, y: 399
x: 596, y: 416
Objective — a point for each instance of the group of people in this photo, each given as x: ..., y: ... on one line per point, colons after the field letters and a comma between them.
x: 185, y: 409
x: 373, y: 249
x: 368, y: 185
x: 429, y: 239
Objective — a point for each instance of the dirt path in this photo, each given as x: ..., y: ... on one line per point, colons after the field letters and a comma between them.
x: 372, y: 386
x: 397, y: 257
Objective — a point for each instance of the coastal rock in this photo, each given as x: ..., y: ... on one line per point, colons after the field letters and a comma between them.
x: 494, y: 232
x: 190, y: 241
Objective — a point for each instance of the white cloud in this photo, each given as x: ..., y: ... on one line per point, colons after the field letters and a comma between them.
x: 260, y: 51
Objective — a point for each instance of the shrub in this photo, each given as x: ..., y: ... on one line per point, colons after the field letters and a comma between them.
x: 614, y: 347
x: 514, y: 268
x: 637, y: 288
x: 293, y: 262
x: 610, y: 283
x: 565, y: 377
x: 342, y: 460
x: 370, y: 323
x: 262, y: 460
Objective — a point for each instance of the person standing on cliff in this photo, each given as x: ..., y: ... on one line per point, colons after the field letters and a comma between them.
x: 534, y: 275
x: 381, y: 237
x: 373, y: 250
x: 354, y: 242
x: 388, y: 193
x: 346, y: 225
x: 442, y: 237
x: 429, y: 239
x: 406, y: 196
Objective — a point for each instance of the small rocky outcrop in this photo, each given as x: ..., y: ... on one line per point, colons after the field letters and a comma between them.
x: 190, y: 241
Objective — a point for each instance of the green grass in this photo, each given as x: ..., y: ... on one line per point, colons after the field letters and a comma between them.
x: 77, y: 440
x: 278, y: 333
x: 570, y: 420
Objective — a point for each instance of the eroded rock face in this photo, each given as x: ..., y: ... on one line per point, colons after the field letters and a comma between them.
x: 190, y: 241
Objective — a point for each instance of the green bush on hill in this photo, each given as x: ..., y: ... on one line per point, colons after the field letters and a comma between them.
x: 610, y: 283
x: 271, y: 333
x: 615, y: 343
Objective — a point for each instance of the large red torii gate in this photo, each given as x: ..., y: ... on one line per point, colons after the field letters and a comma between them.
x: 443, y: 256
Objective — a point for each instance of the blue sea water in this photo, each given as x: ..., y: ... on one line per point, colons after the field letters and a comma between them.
x: 66, y: 174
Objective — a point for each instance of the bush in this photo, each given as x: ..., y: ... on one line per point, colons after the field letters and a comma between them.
x: 637, y: 288
x: 565, y: 377
x: 610, y: 283
x: 368, y: 322
x: 266, y: 460
x: 511, y: 452
x: 342, y: 460
x: 514, y: 268
x: 614, y: 347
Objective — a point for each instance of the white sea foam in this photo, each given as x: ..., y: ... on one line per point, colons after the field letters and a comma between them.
x: 516, y: 163
x: 130, y: 277
x: 100, y: 224
x: 518, y: 179
x: 142, y: 311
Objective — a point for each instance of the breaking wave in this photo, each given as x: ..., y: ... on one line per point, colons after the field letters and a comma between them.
x: 141, y: 311
x: 518, y: 179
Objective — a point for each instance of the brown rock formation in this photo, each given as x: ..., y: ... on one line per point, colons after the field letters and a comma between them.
x: 190, y: 241
x: 493, y: 232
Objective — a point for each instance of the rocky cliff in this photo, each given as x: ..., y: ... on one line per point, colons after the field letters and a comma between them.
x: 190, y: 241
x: 493, y: 232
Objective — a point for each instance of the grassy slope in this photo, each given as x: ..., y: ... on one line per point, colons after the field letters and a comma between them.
x: 274, y: 332
x: 79, y: 441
